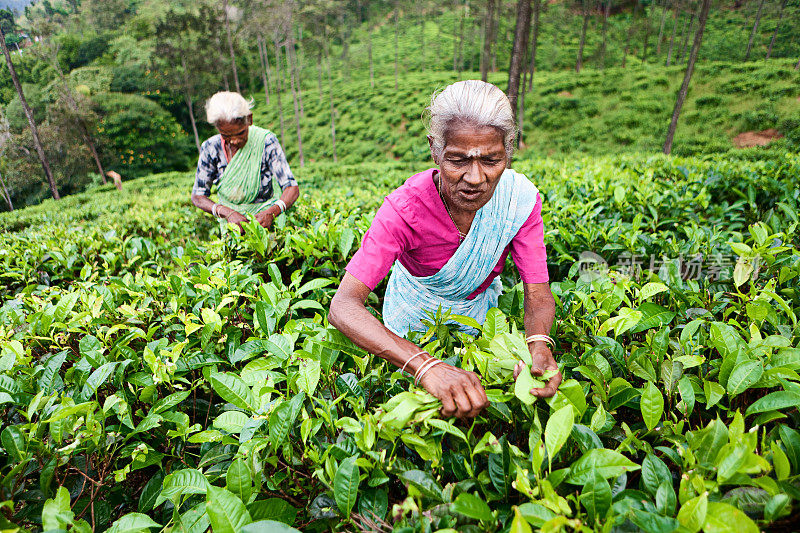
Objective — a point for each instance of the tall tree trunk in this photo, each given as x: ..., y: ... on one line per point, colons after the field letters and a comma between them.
x: 79, y: 122
x: 455, y: 35
x: 297, y: 64
x: 369, y: 53
x: 674, y: 30
x: 230, y: 46
x: 661, y: 27
x: 422, y: 40
x: 472, y: 39
x: 438, y: 45
x: 746, y: 9
x: 488, y: 39
x: 87, y: 138
x: 262, y: 54
x: 330, y: 98
x: 646, y: 37
x: 495, y: 32
x: 579, y: 63
x: 187, y: 98
x: 753, y: 33
x: 698, y: 39
x: 279, y: 74
x: 29, y: 114
x: 291, y: 59
x: 537, y: 6
x: 6, y: 196
x: 221, y: 59
x: 521, y: 106
x: 293, y: 64
x: 364, y: 10
x: 775, y: 33
x: 345, y: 48
x: 396, y: 43
x: 190, y: 107
x: 481, y: 44
x: 523, y: 28
x: 606, y: 13
x: 630, y: 34
x: 319, y: 74
x: 521, y: 98
x: 686, y: 41
x: 464, y: 14
x: 251, y: 73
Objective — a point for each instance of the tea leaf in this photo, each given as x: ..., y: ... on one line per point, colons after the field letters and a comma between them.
x: 651, y: 405
x: 345, y: 485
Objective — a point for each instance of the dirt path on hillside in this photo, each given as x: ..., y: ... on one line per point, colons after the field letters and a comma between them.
x: 749, y: 139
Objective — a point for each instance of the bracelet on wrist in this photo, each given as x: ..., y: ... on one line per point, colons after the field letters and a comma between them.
x: 281, y: 205
x: 426, y: 366
x: 538, y: 337
x: 412, y: 357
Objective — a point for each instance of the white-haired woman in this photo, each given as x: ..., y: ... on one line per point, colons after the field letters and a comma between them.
x: 445, y: 235
x: 241, y: 161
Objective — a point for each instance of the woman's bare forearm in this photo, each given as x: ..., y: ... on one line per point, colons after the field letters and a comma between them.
x: 540, y: 309
x: 349, y: 315
x: 290, y: 195
x: 460, y: 391
x: 204, y: 203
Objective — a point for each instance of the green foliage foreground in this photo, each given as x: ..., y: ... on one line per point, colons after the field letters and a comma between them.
x: 155, y: 376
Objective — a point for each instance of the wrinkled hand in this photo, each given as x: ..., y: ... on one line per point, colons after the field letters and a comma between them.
x: 265, y: 218
x: 460, y: 391
x: 235, y: 217
x: 542, y: 361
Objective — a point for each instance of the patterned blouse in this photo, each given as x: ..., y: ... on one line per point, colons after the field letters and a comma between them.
x: 212, y: 163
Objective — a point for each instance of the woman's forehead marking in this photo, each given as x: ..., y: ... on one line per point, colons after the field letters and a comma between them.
x: 474, y: 152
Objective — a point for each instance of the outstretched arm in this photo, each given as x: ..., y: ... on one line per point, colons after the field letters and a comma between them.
x: 540, y: 310
x: 460, y: 391
x: 204, y: 203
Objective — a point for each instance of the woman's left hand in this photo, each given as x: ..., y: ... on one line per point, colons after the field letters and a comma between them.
x: 265, y: 218
x: 542, y: 360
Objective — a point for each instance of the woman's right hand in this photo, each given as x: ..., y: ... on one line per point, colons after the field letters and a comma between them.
x: 460, y: 391
x: 235, y: 217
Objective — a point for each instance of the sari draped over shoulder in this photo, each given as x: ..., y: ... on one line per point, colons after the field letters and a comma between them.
x: 408, y: 297
x: 241, y: 182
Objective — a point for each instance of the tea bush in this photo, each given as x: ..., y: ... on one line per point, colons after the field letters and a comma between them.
x: 153, y: 375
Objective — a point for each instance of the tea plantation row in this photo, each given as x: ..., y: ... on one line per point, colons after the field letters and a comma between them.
x: 156, y: 377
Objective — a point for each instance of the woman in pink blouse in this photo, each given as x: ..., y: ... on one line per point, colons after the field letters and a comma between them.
x: 445, y: 235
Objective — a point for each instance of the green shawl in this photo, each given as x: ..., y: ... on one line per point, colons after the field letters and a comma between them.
x: 241, y: 181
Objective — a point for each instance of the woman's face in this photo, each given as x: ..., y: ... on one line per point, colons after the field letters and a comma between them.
x: 235, y: 132
x: 470, y: 166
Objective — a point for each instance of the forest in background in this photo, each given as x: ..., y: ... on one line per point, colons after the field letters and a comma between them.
x: 120, y: 84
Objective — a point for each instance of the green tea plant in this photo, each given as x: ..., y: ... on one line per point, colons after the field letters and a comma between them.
x: 157, y: 377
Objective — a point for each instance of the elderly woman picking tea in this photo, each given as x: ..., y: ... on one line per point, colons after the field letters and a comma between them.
x: 445, y: 234
x: 241, y: 161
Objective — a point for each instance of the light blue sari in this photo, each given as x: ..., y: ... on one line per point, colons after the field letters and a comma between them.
x: 495, y: 225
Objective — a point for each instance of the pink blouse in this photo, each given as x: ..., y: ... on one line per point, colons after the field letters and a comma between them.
x: 413, y: 226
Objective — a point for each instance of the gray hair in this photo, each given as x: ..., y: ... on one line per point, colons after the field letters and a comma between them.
x: 472, y: 102
x: 227, y: 106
